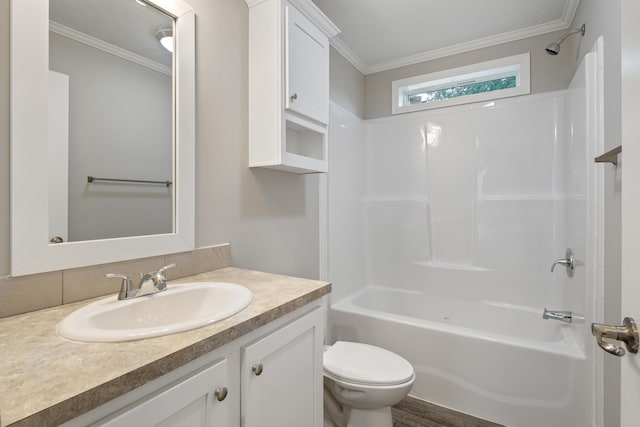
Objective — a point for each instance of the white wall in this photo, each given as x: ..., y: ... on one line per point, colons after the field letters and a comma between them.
x: 4, y: 137
x: 603, y: 18
x: 346, y: 190
x: 120, y: 126
x: 583, y: 183
x: 578, y: 149
x: 347, y: 84
x: 269, y: 217
x: 462, y: 199
x: 467, y: 199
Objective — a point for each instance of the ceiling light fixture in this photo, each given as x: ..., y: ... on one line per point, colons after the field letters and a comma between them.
x: 165, y: 35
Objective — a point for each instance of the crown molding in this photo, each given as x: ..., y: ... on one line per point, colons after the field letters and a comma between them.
x: 251, y: 3
x: 313, y: 12
x: 88, y: 40
x: 560, y: 24
x: 349, y: 55
x: 468, y: 46
x: 570, y: 9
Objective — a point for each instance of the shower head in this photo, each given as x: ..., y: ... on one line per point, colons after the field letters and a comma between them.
x: 554, y: 47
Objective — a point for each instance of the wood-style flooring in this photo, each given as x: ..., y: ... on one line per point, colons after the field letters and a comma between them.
x: 412, y: 412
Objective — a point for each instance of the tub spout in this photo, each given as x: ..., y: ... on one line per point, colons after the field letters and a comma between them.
x: 563, y: 316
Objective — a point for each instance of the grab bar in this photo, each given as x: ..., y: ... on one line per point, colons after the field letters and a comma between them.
x: 141, y: 181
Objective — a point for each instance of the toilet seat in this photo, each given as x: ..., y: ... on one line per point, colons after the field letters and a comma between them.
x: 366, y: 364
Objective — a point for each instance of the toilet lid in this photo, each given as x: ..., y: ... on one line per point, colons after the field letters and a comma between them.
x: 366, y: 364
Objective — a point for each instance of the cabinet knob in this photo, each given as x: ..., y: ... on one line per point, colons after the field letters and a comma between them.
x: 221, y: 393
x: 257, y: 369
x: 294, y: 97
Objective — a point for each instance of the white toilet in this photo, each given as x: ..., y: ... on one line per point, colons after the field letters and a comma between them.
x: 361, y: 384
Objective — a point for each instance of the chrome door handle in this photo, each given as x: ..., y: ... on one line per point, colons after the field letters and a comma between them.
x: 627, y: 333
x: 568, y: 261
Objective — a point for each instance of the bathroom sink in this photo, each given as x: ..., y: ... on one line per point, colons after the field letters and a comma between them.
x: 180, y: 308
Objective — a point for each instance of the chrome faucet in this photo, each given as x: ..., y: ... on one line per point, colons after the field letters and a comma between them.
x: 128, y: 290
x: 563, y: 316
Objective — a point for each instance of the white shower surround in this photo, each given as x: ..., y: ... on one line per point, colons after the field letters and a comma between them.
x: 476, y: 188
x: 468, y: 206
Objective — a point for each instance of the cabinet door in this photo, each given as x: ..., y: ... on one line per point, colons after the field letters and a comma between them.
x: 307, y: 67
x: 281, y: 376
x: 189, y: 403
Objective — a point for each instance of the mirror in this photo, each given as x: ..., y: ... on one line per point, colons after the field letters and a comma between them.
x: 35, y: 166
x: 110, y: 120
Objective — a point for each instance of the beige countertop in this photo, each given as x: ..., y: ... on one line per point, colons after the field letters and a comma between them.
x: 45, y: 380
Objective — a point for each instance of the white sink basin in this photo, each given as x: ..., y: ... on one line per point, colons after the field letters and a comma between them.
x: 180, y: 308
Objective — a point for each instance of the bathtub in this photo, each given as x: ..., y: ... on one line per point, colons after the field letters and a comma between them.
x: 495, y: 361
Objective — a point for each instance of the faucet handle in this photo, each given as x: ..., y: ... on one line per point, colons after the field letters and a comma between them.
x: 159, y: 279
x: 127, y: 290
x: 166, y: 267
x: 569, y: 261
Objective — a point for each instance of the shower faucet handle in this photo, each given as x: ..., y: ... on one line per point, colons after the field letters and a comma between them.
x: 569, y: 261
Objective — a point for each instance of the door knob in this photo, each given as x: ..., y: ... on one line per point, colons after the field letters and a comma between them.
x: 627, y: 333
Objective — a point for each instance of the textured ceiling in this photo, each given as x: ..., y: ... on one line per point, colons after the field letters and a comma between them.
x: 123, y: 23
x: 383, y: 34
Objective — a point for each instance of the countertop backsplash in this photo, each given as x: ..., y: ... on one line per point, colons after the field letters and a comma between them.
x: 38, y: 291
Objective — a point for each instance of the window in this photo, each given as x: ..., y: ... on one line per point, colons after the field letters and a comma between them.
x: 495, y: 79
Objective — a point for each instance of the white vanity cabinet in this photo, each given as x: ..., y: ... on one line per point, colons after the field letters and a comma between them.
x: 288, y: 85
x: 269, y: 377
x: 197, y: 401
x: 281, y: 377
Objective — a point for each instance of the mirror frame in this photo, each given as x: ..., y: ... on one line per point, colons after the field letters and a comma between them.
x: 29, y: 64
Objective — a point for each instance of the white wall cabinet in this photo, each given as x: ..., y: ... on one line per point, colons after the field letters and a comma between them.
x: 288, y: 85
x: 275, y: 371
x: 307, y: 67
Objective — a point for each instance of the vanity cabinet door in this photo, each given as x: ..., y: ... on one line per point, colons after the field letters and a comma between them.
x: 281, y: 376
x: 192, y: 402
x: 307, y: 67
